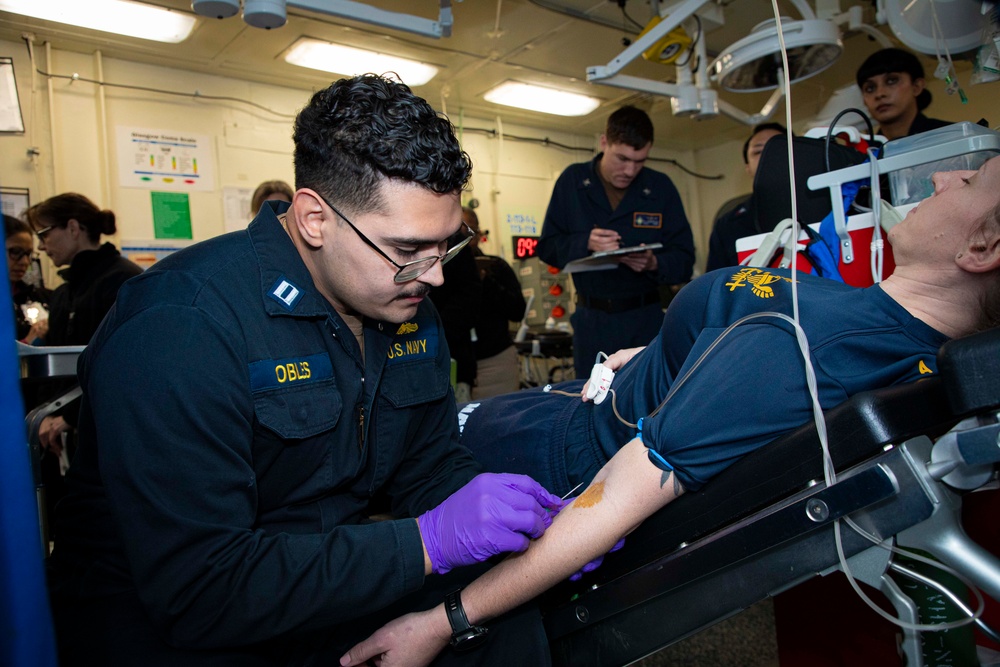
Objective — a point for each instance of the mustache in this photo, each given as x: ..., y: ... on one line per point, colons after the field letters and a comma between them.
x: 420, y: 291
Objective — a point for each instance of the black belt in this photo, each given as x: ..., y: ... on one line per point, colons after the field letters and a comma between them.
x: 618, y: 305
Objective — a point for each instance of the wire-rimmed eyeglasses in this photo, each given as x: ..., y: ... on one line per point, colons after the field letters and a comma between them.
x: 409, y: 270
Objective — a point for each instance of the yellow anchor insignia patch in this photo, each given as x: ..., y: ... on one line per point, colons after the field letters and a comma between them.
x: 758, y: 281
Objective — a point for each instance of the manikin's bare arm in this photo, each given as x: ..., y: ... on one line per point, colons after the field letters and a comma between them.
x: 627, y: 490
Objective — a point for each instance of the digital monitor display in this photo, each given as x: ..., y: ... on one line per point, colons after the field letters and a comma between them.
x: 525, y: 247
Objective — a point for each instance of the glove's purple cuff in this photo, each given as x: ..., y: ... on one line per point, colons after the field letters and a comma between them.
x: 431, y: 535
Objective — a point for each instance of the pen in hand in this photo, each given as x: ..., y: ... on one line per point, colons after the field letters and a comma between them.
x: 602, y: 240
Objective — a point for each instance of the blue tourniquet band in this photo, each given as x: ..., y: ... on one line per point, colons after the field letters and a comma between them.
x: 654, y: 456
x: 659, y: 461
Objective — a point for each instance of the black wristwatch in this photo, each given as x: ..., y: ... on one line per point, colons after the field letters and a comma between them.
x: 464, y: 636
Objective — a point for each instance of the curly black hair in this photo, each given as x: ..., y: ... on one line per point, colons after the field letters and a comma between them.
x: 362, y: 130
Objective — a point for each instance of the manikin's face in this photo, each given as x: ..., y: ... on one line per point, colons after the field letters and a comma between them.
x: 890, y: 96
x: 414, y: 222
x: 756, y: 147
x: 621, y: 163
x: 940, y: 227
x: 19, y: 244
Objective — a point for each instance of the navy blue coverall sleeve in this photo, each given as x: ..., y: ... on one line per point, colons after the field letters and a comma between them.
x: 561, y: 242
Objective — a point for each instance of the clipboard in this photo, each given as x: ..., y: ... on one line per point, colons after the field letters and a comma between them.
x: 603, y: 261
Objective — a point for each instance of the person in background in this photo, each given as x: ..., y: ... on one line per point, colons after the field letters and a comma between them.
x: 503, y: 303
x: 20, y: 250
x: 458, y: 301
x: 893, y: 87
x: 270, y: 191
x: 69, y: 229
x: 251, y: 398
x: 611, y: 202
x: 735, y: 219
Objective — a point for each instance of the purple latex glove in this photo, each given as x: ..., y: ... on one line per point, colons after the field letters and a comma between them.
x: 491, y: 514
x: 596, y: 563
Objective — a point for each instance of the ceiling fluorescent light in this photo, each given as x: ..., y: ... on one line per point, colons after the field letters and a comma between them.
x: 350, y: 61
x: 538, y: 98
x: 122, y: 17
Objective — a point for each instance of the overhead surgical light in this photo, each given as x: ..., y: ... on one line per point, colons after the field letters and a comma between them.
x: 539, y: 98
x: 929, y: 27
x: 122, y: 17
x: 752, y: 64
x: 347, y: 60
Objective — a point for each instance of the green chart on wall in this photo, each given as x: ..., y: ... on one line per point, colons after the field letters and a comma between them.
x: 171, y: 215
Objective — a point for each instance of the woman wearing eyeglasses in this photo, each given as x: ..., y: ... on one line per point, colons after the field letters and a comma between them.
x: 69, y: 228
x: 20, y: 251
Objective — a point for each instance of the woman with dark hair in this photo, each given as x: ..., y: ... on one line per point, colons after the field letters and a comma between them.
x: 20, y: 250
x: 69, y: 228
x: 893, y: 87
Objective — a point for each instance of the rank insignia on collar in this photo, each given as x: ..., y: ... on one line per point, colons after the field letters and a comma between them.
x: 285, y: 293
x: 586, y: 182
x: 646, y: 191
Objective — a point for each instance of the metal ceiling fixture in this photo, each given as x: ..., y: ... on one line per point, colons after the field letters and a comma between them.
x: 272, y: 14
x: 751, y: 64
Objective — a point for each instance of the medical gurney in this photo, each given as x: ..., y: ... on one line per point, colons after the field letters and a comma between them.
x: 767, y: 523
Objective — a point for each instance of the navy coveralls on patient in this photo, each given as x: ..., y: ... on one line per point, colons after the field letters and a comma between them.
x: 618, y: 308
x: 748, y: 391
x: 242, y: 437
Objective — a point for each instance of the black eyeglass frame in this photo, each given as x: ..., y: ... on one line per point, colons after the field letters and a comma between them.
x: 417, y: 267
x: 21, y: 254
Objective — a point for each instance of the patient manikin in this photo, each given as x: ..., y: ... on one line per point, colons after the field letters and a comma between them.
x: 750, y: 390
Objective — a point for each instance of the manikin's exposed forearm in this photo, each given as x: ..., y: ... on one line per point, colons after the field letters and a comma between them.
x: 627, y: 490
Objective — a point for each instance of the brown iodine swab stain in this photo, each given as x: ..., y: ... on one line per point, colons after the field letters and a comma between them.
x: 591, y: 496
